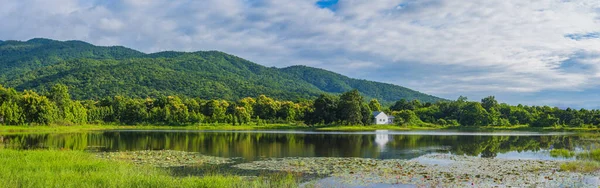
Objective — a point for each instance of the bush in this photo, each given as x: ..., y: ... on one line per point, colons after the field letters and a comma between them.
x: 562, y: 153
x: 580, y: 166
x: 591, y: 155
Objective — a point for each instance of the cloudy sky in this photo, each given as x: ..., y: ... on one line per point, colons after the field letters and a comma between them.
x: 541, y: 52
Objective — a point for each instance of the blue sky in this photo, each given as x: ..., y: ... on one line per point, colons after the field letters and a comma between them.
x: 542, y: 52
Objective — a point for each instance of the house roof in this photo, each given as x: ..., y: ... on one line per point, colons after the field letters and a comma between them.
x: 376, y: 113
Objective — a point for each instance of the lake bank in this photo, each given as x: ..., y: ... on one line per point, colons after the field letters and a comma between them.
x: 226, y: 127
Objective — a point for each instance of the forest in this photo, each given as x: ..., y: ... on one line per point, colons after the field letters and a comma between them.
x: 95, y: 72
x: 56, y: 106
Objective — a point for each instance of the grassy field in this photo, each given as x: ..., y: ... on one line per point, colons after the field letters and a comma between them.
x: 52, y: 168
x: 95, y: 127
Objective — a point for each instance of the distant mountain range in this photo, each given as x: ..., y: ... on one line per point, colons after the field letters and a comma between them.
x: 93, y: 72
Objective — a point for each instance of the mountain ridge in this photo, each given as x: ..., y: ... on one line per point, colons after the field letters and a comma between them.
x: 100, y: 71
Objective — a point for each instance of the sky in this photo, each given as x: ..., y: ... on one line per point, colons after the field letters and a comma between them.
x: 538, y: 52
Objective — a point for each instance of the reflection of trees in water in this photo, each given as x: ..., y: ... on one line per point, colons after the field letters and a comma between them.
x: 74, y: 141
x: 486, y: 146
x: 247, y: 145
x: 256, y: 145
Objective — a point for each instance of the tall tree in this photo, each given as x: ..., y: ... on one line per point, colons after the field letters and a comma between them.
x: 374, y: 105
x: 490, y: 103
x: 473, y: 114
x: 349, y: 108
x: 265, y: 107
x: 324, y: 110
x: 38, y: 109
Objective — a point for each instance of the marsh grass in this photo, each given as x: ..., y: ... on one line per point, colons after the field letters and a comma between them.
x: 580, y: 166
x: 53, y: 168
x: 562, y: 153
x: 590, y: 155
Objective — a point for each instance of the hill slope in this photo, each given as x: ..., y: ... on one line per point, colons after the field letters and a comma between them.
x: 336, y: 83
x: 94, y: 72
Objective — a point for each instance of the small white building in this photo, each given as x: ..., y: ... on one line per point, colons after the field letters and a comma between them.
x: 382, y: 118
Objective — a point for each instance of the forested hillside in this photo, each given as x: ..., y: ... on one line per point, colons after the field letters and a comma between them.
x: 93, y: 72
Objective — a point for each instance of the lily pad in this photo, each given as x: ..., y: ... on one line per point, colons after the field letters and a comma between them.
x: 164, y: 158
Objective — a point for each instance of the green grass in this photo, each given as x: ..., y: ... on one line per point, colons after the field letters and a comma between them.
x: 580, y: 166
x: 590, y: 155
x: 562, y: 153
x: 222, y: 126
x: 95, y: 127
x: 51, y: 168
x: 371, y: 128
x: 522, y: 128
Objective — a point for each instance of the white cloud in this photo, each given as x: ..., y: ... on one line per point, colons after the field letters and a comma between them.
x: 447, y: 47
x: 111, y: 25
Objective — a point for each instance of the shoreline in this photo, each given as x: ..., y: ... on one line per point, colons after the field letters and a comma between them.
x: 4, y: 129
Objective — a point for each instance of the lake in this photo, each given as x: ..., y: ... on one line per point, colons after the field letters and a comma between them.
x: 256, y: 145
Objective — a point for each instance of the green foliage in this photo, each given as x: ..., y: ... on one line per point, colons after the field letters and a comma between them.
x: 242, y: 115
x: 93, y: 72
x: 473, y: 114
x: 68, y: 110
x: 335, y: 83
x: 374, y: 105
x: 489, y: 112
x: 265, y: 107
x: 324, y: 110
x: 545, y: 120
x: 580, y: 166
x: 591, y: 155
x: 489, y: 103
x: 562, y: 153
x: 407, y: 117
x: 349, y: 108
x: 38, y: 109
x: 11, y: 113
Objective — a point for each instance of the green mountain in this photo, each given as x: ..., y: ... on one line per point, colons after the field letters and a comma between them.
x: 95, y: 72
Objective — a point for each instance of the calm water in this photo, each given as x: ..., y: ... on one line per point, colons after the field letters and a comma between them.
x: 254, y: 145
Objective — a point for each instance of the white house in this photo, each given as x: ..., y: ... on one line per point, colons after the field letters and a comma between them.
x: 382, y: 119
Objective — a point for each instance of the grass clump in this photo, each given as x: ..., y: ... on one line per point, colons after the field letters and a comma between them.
x: 590, y: 155
x: 52, y: 168
x: 580, y: 166
x: 562, y: 153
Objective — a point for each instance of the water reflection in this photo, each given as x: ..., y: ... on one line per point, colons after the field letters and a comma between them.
x: 256, y: 145
x: 382, y: 138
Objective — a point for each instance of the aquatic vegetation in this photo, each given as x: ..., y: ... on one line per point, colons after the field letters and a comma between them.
x: 438, y: 170
x: 590, y: 155
x: 164, y: 158
x: 562, y: 153
x: 581, y: 166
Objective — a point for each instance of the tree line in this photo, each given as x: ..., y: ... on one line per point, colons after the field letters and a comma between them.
x: 350, y: 108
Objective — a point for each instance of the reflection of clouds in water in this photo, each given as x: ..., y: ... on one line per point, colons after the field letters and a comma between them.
x: 532, y: 155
